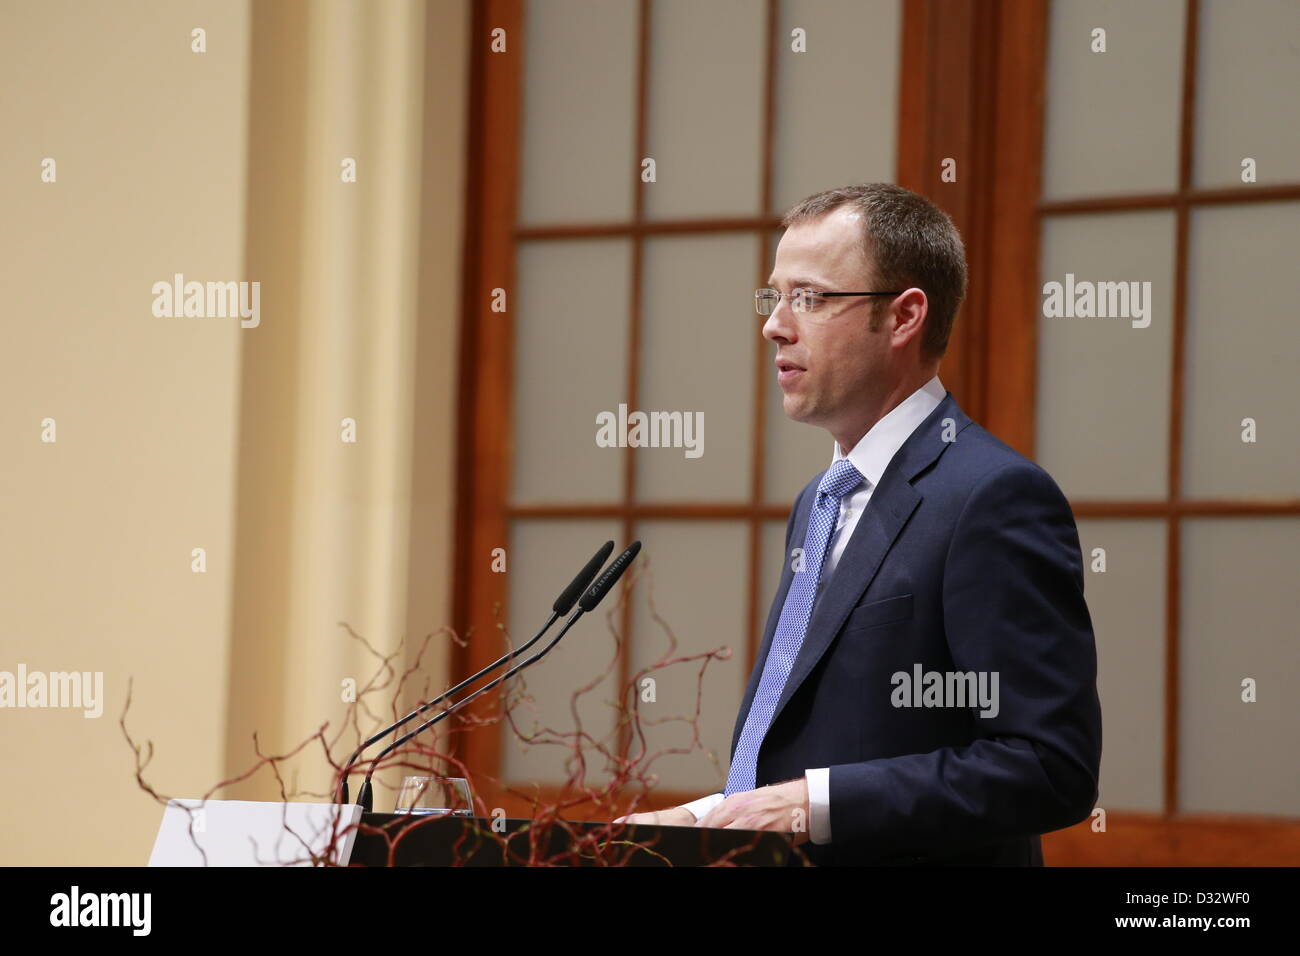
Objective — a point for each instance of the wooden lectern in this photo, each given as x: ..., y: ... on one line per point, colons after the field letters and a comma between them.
x: 391, y: 839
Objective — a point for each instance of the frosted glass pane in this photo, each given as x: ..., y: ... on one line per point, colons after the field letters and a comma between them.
x: 1127, y: 604
x: 1249, y: 71
x: 579, y: 111
x: 1239, y: 613
x: 1103, y: 385
x: 542, y: 559
x: 1242, y: 343
x: 697, y: 357
x: 569, y: 367
x: 1112, y: 118
x: 705, y: 120
x: 852, y: 45
x: 695, y: 581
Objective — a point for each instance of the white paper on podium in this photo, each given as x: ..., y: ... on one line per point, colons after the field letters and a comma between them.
x: 244, y: 833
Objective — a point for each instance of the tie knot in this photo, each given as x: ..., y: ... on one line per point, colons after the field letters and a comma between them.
x: 840, y: 479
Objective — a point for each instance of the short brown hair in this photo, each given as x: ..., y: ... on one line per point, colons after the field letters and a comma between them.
x: 913, y: 243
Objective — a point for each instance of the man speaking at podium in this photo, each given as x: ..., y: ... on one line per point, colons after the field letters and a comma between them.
x: 926, y: 687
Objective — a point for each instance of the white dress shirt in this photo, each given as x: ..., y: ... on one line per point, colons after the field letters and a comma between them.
x: 870, y: 456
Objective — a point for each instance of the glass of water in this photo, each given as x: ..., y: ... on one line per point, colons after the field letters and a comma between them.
x: 449, y: 795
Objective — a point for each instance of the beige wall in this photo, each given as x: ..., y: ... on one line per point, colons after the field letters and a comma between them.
x: 183, y: 433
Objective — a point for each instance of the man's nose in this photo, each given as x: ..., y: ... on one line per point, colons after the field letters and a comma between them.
x: 780, y: 324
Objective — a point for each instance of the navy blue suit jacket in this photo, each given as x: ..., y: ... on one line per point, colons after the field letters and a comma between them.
x: 966, y: 559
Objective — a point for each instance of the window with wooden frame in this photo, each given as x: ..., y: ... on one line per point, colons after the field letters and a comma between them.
x: 623, y: 292
x: 1171, y: 425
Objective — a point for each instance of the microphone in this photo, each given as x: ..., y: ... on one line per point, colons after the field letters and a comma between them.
x: 590, y: 598
x: 606, y: 581
x: 563, y: 604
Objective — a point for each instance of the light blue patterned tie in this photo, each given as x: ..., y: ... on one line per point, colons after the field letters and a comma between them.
x: 839, y: 480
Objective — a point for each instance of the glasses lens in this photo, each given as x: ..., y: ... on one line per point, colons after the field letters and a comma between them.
x: 801, y: 300
x: 765, y: 301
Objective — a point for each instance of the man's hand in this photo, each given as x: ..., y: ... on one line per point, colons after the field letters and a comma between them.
x: 781, y: 806
x: 673, y: 817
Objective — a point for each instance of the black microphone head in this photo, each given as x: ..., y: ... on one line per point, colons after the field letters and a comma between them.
x: 596, y: 593
x: 569, y: 596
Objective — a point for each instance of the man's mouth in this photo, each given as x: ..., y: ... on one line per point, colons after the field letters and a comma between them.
x: 787, y: 371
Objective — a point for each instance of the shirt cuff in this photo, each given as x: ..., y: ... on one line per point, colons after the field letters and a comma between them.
x: 819, y: 804
x: 702, y: 806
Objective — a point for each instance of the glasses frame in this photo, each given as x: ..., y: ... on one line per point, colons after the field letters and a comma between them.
x: 805, y: 295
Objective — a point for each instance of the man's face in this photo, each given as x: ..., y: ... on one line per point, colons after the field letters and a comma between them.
x: 829, y: 361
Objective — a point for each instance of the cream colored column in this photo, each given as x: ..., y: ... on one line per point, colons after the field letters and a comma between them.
x: 323, y: 523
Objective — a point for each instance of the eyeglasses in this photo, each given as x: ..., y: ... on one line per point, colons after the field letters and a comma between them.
x: 801, y: 300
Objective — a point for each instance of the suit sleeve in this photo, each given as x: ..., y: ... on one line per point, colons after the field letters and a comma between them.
x: 1012, y: 605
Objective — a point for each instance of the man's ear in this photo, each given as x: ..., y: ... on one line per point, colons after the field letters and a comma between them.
x: 909, y: 311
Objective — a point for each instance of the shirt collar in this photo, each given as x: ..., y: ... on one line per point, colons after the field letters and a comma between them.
x: 872, y: 454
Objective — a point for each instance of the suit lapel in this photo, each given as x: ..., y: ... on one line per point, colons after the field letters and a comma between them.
x: 888, y: 510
